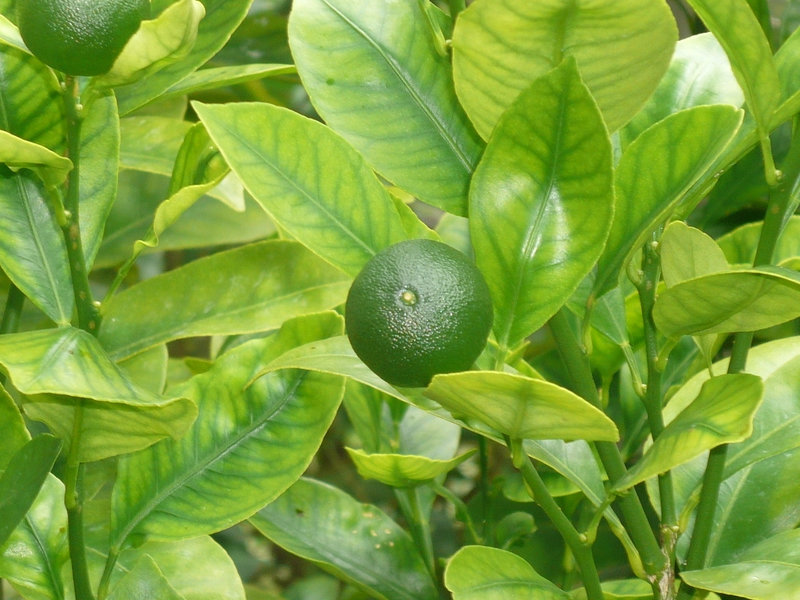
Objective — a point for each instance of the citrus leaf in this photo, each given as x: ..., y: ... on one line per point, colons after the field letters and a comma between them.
x: 735, y: 26
x: 745, y: 300
x: 402, y: 470
x: 788, y: 66
x: 501, y: 46
x: 60, y: 368
x: 15, y: 434
x: 221, y: 20
x: 484, y: 573
x: 768, y: 570
x: 243, y: 450
x: 309, y: 180
x: 621, y: 589
x: 740, y: 244
x: 28, y: 95
x: 32, y: 250
x: 722, y: 413
x: 648, y: 190
x: 356, y: 542
x: 22, y: 480
x: 145, y: 580
x: 150, y: 143
x: 699, y: 73
x: 17, y: 154
x: 520, y: 407
x: 35, y: 555
x: 375, y: 76
x: 687, y: 252
x: 248, y: 289
x: 217, y: 77
x: 98, y: 175
x: 546, y: 174
x: 156, y: 44
x: 9, y: 34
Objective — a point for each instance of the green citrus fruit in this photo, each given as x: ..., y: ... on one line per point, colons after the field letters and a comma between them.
x: 79, y: 37
x: 418, y: 308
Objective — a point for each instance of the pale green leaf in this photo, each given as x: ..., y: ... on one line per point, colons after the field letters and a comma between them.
x: 745, y: 300
x: 621, y: 589
x: 309, y: 180
x: 768, y: 570
x: 374, y: 74
x: 788, y: 65
x: 722, y: 413
x: 9, y: 34
x: 157, y: 43
x: 687, y: 252
x: 248, y: 289
x: 622, y: 48
x: 34, y: 557
x: 216, y: 77
x: 32, y: 249
x: 520, y: 407
x: 652, y: 179
x: 17, y: 153
x: 402, y: 470
x: 356, y: 542
x: 222, y: 17
x: 736, y: 28
x: 740, y: 244
x: 143, y: 582
x: 545, y: 176
x: 243, y: 450
x: 699, y: 73
x: 485, y: 573
x: 15, y: 434
x: 150, y: 143
x: 98, y: 175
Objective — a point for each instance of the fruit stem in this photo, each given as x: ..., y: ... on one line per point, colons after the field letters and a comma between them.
x: 579, y: 544
x: 580, y: 371
x: 779, y: 207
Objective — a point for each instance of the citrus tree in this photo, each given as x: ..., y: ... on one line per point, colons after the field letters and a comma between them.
x: 488, y: 300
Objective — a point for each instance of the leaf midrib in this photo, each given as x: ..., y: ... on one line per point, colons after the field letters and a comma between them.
x: 207, y: 462
x: 453, y: 144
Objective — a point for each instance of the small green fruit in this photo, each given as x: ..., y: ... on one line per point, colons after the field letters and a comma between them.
x: 416, y: 309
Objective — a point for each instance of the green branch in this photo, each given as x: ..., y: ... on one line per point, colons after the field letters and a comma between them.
x: 577, y: 543
x: 637, y: 525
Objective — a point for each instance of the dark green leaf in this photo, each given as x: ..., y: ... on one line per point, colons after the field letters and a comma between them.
x: 22, y: 480
x: 357, y: 542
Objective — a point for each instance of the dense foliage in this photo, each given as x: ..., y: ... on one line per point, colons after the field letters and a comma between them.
x: 182, y: 415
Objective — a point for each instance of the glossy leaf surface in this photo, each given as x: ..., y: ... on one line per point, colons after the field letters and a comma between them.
x: 308, y: 179
x: 520, y: 407
x: 735, y: 26
x: 374, y: 74
x: 687, y: 252
x: 402, y: 470
x: 144, y: 581
x: 699, y: 73
x: 545, y: 176
x: 722, y: 413
x: 220, y: 21
x: 243, y: 450
x: 33, y: 558
x: 501, y: 46
x: 740, y: 244
x: 770, y: 569
x: 651, y: 178
x: 247, y: 289
x: 32, y: 250
x: 484, y: 573
x: 745, y: 300
x: 357, y: 542
x: 22, y: 480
